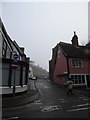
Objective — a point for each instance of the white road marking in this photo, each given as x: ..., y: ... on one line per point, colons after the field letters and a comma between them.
x: 37, y: 102
x: 11, y: 118
x: 78, y: 109
x: 85, y: 99
x: 46, y: 86
x: 81, y: 97
x: 82, y: 105
x: 51, y: 108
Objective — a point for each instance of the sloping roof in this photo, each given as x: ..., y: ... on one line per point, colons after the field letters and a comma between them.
x: 0, y: 23
x: 88, y: 49
x: 54, y: 54
x: 5, y: 35
x: 18, y: 48
x: 88, y: 45
x: 72, y: 51
x: 8, y: 39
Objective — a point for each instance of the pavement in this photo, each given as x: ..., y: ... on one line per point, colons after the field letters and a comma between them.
x: 27, y: 97
x: 82, y: 89
x: 19, y: 100
x: 31, y: 95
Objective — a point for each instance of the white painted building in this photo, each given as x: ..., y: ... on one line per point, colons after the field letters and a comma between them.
x: 7, y: 67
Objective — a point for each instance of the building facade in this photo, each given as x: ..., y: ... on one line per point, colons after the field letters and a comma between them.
x: 13, y: 71
x: 70, y: 60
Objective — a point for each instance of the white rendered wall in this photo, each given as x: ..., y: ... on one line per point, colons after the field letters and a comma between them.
x: 18, y: 89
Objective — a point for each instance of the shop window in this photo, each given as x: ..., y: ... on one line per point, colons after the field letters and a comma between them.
x: 78, y: 79
x: 83, y: 80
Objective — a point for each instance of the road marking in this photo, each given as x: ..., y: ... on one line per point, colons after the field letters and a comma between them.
x: 36, y: 102
x: 10, y: 118
x: 85, y: 99
x: 46, y: 86
x: 81, y: 97
x: 51, y: 108
x: 78, y: 109
x: 82, y: 105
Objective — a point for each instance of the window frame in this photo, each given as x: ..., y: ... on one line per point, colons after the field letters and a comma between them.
x: 80, y: 78
x: 4, y: 49
x: 76, y: 62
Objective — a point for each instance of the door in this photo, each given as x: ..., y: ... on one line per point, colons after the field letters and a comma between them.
x: 88, y: 80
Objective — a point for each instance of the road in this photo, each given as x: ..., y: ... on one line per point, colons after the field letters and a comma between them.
x: 53, y: 102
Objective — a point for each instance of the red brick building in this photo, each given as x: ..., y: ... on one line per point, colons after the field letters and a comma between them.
x: 70, y: 60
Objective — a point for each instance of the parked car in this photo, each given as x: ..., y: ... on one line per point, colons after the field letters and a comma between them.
x: 45, y: 78
x: 34, y: 78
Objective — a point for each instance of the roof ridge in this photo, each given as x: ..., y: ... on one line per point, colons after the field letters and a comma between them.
x: 71, y: 50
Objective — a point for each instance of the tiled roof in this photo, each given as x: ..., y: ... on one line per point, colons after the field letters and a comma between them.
x: 88, y: 49
x: 72, y: 51
x: 88, y: 45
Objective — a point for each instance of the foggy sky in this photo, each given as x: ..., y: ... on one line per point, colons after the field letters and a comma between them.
x: 39, y: 26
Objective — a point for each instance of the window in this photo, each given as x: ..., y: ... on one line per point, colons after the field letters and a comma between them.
x: 78, y: 79
x: 5, y: 74
x: 83, y: 81
x: 24, y: 75
x: 8, y: 55
x: 76, y: 62
x: 4, y: 47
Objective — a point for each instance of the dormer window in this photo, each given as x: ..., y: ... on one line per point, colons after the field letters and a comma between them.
x: 76, y: 62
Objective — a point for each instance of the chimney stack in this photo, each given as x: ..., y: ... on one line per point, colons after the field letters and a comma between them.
x: 75, y: 39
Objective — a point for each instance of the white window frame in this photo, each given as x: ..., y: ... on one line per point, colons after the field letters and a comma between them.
x: 76, y: 77
x: 76, y: 62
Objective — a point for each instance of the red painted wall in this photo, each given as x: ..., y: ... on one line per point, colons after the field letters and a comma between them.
x: 60, y: 68
x: 89, y: 66
x: 59, y: 80
x: 61, y: 65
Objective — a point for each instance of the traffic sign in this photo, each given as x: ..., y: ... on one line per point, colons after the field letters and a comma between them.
x: 15, y: 55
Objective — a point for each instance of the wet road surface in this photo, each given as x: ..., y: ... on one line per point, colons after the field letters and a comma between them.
x: 53, y: 102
